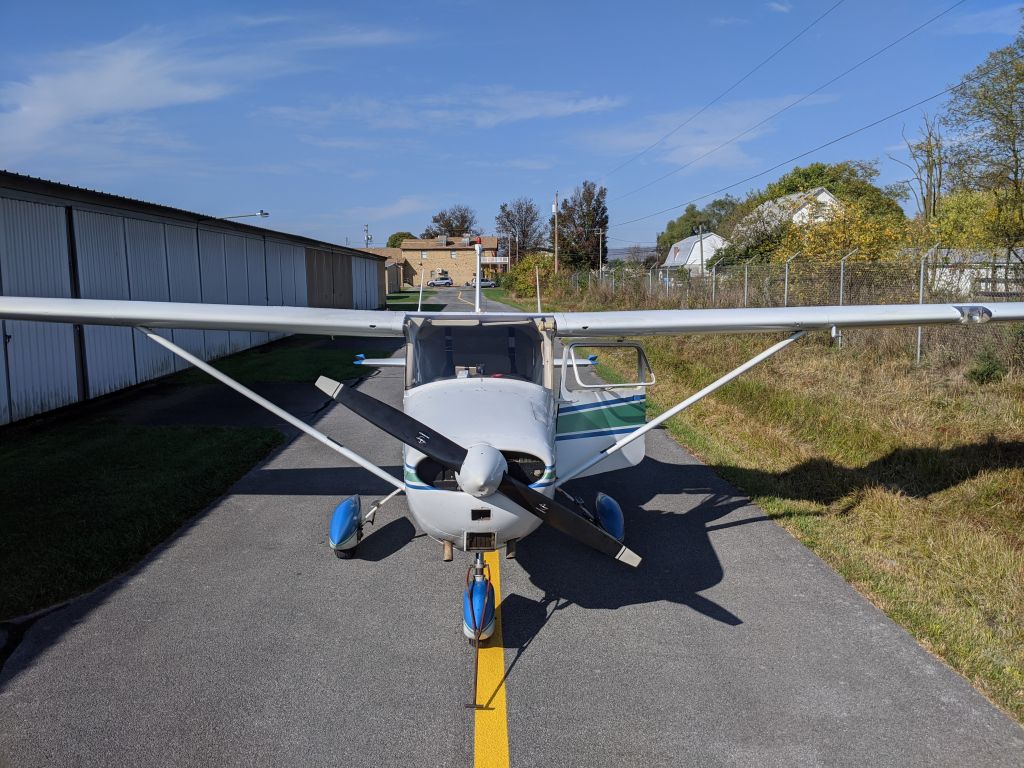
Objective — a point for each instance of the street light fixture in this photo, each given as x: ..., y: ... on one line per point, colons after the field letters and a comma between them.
x: 260, y: 214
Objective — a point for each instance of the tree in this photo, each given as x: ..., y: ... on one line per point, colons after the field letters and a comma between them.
x: 984, y: 111
x: 395, y: 241
x: 850, y: 227
x: 456, y: 221
x: 711, y: 216
x: 965, y: 220
x: 521, y: 221
x: 927, y: 163
x: 581, y: 218
x: 850, y: 181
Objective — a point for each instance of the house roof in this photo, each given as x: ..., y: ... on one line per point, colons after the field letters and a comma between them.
x: 452, y: 244
x: 687, y: 250
x: 391, y: 254
x: 798, y: 200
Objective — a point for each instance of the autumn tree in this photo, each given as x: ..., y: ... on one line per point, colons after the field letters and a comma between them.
x: 456, y: 221
x: 851, y: 227
x: 984, y: 112
x: 520, y: 220
x: 965, y: 220
x: 395, y: 241
x: 581, y: 217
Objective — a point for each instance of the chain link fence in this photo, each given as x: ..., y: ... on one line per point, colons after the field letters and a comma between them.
x: 934, y: 277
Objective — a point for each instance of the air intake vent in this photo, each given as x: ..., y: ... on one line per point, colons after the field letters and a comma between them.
x: 478, y: 542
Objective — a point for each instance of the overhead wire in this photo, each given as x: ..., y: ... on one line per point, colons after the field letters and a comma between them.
x: 967, y: 79
x: 726, y: 92
x: 792, y: 104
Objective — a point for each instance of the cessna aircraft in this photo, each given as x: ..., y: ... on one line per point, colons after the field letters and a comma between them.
x: 484, y: 475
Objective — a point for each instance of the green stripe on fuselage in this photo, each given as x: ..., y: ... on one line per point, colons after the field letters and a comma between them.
x: 631, y: 414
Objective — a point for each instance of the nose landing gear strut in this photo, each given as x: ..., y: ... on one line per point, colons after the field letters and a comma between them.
x: 478, y: 614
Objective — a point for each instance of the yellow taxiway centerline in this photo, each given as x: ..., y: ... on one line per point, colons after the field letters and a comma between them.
x: 491, y: 728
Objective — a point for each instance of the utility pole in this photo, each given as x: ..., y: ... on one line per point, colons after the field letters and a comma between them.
x: 600, y: 250
x: 700, y: 238
x: 367, y: 237
x: 554, y: 210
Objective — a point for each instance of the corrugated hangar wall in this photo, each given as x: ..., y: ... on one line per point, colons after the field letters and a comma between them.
x: 52, y: 247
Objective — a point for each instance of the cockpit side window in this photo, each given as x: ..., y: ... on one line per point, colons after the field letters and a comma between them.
x: 497, y: 350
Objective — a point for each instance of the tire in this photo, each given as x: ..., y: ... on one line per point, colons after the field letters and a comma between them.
x: 345, y: 554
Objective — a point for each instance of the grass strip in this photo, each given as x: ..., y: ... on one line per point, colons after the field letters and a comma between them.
x: 908, y: 481
x: 298, y: 358
x: 83, y: 503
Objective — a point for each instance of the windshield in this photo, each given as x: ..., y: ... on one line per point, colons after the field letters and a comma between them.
x: 460, y: 351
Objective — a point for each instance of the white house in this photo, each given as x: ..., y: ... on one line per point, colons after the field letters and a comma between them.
x: 811, y: 207
x: 694, y: 252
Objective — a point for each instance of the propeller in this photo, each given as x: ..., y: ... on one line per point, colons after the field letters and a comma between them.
x: 570, y: 520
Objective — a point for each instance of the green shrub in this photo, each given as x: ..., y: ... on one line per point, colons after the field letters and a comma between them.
x: 987, y: 368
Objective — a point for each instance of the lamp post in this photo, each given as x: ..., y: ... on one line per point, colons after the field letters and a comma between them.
x: 259, y: 214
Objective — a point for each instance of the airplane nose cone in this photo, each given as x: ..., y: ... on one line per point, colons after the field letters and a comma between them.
x: 482, y: 470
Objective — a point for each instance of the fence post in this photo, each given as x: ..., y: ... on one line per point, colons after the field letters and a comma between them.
x: 920, y: 298
x: 785, y: 289
x: 842, y: 284
x: 747, y: 279
x: 714, y: 285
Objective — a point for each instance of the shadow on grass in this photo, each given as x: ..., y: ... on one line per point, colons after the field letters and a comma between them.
x: 914, y: 472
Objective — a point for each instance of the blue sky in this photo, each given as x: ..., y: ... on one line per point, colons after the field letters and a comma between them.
x: 332, y: 115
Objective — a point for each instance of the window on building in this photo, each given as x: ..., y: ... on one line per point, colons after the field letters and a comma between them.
x: 454, y: 254
x: 423, y: 254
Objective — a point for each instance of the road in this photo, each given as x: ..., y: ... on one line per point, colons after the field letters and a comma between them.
x: 244, y: 641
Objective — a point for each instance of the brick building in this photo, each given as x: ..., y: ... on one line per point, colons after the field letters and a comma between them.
x: 444, y: 255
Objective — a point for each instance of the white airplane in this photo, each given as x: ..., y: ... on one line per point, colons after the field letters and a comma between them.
x: 495, y: 420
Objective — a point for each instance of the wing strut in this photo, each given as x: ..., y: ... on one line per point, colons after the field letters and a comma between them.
x: 279, y: 412
x: 640, y: 432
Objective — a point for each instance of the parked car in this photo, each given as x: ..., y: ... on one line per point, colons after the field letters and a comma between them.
x: 440, y: 282
x: 485, y: 283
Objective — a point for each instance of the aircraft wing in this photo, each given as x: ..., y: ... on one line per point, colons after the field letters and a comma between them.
x: 356, y: 322
x: 228, y: 317
x: 686, y: 321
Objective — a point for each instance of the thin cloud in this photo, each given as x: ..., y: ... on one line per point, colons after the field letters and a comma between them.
x: 401, y: 207
x: 87, y: 90
x: 1003, y: 20
x: 687, y: 146
x: 780, y: 7
x: 728, y: 21
x: 486, y: 107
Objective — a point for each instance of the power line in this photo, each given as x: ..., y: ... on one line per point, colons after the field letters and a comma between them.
x: 789, y: 106
x: 961, y: 84
x: 724, y: 93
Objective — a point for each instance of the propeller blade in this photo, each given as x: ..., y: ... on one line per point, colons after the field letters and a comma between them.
x: 451, y: 455
x: 396, y: 423
x: 572, y: 523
